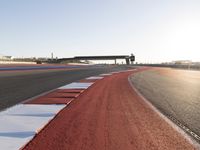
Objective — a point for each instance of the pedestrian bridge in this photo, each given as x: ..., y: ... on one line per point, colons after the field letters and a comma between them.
x: 111, y: 57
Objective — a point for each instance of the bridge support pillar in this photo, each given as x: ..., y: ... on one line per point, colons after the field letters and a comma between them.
x: 127, y: 61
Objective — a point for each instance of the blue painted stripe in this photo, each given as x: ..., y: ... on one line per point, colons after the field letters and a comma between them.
x: 38, y: 67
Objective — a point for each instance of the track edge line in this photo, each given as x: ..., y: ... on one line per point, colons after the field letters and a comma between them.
x: 170, y: 122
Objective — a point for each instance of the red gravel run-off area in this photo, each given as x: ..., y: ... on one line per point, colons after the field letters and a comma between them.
x: 109, y: 116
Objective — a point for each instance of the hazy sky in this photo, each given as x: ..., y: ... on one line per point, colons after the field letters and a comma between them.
x: 154, y: 30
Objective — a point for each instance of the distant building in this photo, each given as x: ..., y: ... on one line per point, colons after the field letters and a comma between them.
x: 5, y: 57
x: 182, y: 62
x: 196, y: 63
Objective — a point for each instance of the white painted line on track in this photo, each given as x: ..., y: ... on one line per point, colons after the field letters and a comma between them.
x: 106, y: 74
x: 20, y: 123
x: 77, y: 85
x: 131, y: 70
x: 123, y: 71
x: 172, y: 124
x: 94, y: 78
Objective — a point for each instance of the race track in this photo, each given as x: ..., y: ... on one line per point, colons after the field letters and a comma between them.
x: 18, y: 85
x: 176, y: 93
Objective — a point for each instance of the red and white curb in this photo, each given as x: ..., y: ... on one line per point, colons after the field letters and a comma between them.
x: 21, y: 123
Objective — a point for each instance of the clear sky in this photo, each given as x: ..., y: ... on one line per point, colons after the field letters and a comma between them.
x: 154, y: 30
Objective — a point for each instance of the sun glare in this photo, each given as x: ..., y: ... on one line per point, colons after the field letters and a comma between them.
x: 183, y: 39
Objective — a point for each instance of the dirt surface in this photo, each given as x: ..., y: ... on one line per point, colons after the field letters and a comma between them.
x: 174, y: 92
x: 109, y: 116
x: 17, y: 86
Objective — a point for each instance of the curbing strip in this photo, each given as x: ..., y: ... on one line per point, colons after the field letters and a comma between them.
x: 43, y: 127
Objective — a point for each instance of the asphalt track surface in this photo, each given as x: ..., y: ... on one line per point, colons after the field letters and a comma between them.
x: 39, y: 67
x: 19, y: 85
x: 114, y: 118
x: 176, y: 93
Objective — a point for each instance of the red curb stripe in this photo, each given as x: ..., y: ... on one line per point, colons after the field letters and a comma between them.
x: 61, y: 95
x: 39, y: 130
x: 56, y: 97
x: 50, y: 101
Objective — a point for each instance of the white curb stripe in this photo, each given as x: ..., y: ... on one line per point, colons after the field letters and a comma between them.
x: 20, y: 123
x: 94, y: 78
x: 77, y: 85
x: 114, y: 72
x: 106, y: 74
